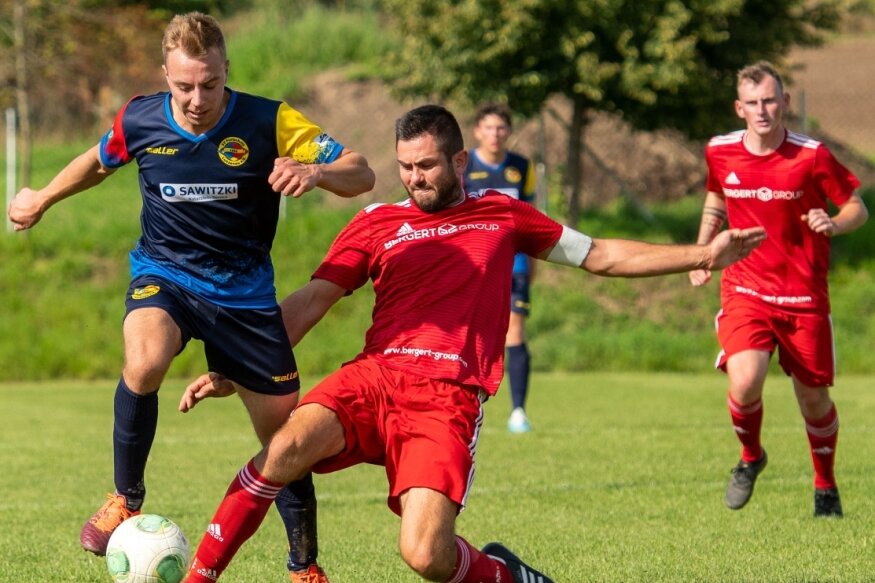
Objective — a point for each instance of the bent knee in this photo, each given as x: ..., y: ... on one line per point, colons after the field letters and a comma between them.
x: 430, y: 565
x: 144, y: 377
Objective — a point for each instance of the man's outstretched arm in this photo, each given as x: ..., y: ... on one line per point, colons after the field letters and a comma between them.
x: 626, y: 258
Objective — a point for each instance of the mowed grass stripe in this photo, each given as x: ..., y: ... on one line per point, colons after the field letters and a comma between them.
x: 622, y: 480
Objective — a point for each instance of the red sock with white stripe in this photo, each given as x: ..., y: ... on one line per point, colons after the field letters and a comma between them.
x: 239, y: 515
x: 472, y: 566
x: 747, y: 420
x: 823, y: 435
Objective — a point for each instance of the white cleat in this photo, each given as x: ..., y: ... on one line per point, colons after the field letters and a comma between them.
x: 518, y: 422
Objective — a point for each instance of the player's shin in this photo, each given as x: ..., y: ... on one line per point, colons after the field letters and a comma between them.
x: 822, y: 438
x: 238, y: 517
x: 134, y: 426
x: 297, y: 507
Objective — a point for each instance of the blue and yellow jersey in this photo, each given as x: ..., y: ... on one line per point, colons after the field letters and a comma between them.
x: 209, y: 215
x: 513, y: 177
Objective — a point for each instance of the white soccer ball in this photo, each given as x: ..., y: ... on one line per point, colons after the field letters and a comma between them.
x: 147, y: 548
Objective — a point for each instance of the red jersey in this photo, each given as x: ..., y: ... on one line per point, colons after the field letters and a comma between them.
x: 790, y: 268
x: 440, y: 281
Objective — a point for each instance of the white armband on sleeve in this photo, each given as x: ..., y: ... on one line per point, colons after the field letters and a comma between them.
x: 571, y: 249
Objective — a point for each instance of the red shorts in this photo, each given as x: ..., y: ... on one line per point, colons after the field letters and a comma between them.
x: 804, y: 339
x: 424, y: 431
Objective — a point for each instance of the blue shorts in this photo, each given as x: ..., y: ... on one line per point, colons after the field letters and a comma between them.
x: 519, y: 294
x: 249, y: 346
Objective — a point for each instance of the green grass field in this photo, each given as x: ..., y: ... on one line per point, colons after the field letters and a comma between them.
x: 621, y: 481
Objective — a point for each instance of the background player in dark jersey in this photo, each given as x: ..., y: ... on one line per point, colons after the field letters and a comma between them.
x: 492, y: 165
x: 412, y: 399
x: 778, y: 297
x: 213, y: 163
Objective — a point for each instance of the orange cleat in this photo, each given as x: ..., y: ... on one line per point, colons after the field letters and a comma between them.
x: 96, y: 532
x: 313, y: 574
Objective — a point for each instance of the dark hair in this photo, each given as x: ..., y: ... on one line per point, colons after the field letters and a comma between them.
x: 434, y: 120
x: 758, y: 71
x: 499, y: 109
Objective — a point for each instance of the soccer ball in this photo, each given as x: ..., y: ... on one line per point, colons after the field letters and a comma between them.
x: 147, y: 548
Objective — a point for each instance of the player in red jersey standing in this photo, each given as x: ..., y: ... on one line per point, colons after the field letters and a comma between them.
x: 778, y: 296
x: 412, y: 399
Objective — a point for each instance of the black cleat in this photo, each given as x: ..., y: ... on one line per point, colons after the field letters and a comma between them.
x: 744, y: 476
x: 827, y: 503
x: 520, y: 572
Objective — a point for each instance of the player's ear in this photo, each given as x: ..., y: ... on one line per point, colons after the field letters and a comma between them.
x: 739, y: 109
x: 460, y: 160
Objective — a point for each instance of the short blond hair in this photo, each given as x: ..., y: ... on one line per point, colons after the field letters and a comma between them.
x: 758, y: 71
x: 195, y: 33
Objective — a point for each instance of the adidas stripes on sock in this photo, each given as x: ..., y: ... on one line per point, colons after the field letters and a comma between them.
x: 747, y: 420
x: 472, y: 566
x: 238, y: 517
x: 823, y: 435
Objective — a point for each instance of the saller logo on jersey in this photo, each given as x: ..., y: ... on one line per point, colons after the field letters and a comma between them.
x: 198, y: 192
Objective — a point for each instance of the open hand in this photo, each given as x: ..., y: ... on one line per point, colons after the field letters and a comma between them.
x: 733, y: 245
x: 205, y: 386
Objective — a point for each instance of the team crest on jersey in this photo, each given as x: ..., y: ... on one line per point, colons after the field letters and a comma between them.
x: 141, y: 293
x: 233, y: 151
x: 512, y: 175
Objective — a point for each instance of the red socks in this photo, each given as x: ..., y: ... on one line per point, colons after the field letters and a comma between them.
x: 238, y: 517
x: 747, y: 420
x: 823, y: 435
x: 472, y: 566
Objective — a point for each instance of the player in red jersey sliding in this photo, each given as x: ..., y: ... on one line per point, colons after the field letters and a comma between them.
x: 412, y: 400
x: 777, y: 297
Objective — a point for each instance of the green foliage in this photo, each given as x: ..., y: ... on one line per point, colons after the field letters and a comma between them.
x: 649, y: 510
x: 63, y: 286
x: 275, y: 47
x: 662, y: 64
x: 658, y: 64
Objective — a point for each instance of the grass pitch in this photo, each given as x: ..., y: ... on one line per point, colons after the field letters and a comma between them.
x: 622, y: 480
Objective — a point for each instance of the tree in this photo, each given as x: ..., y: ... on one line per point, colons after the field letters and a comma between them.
x: 70, y: 64
x: 658, y: 63
x: 82, y: 57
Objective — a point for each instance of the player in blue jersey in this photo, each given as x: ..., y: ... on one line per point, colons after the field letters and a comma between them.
x: 492, y: 165
x: 213, y: 163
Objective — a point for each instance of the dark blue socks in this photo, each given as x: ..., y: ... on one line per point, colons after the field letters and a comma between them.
x: 297, y: 506
x: 518, y: 373
x: 136, y: 418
